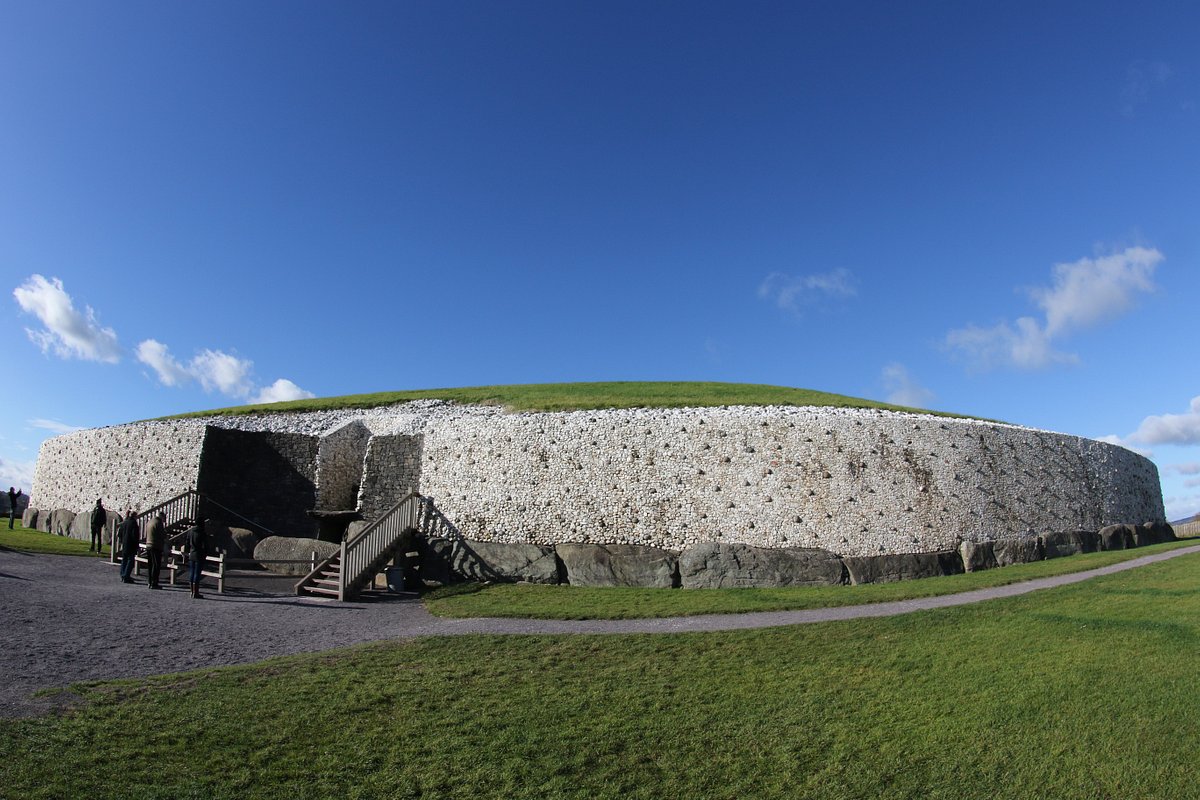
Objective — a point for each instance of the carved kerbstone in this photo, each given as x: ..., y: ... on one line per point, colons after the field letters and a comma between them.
x: 903, y: 566
x: 716, y: 565
x: 619, y: 565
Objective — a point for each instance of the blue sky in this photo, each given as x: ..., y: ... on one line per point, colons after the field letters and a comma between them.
x: 983, y: 207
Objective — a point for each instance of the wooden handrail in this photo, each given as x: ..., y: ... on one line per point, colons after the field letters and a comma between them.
x: 361, y: 554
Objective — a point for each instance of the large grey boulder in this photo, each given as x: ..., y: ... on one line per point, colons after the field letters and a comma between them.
x: 977, y: 556
x: 1017, y: 550
x: 619, y: 565
x: 1070, y: 543
x: 902, y: 566
x: 238, y: 543
x: 719, y: 565
x: 289, y: 548
x: 1153, y: 533
x: 29, y: 518
x: 45, y: 519
x: 81, y: 526
x: 503, y: 563
x: 1117, y: 537
x: 60, y: 521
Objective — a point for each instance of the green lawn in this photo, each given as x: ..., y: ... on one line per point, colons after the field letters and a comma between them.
x: 1085, y: 691
x: 576, y: 602
x: 28, y: 540
x: 582, y: 396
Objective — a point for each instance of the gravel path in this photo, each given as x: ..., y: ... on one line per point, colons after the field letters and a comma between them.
x: 68, y: 619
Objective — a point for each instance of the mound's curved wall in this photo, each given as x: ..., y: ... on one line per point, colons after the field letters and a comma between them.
x: 853, y: 482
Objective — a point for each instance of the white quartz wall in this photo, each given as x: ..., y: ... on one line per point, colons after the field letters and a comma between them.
x: 129, y: 466
x: 854, y: 482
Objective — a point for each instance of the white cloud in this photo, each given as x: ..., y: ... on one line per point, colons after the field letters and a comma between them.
x: 15, y: 473
x: 1192, y: 483
x: 281, y: 391
x: 227, y: 374
x: 1083, y: 294
x: 1091, y: 290
x: 66, y: 331
x: 1188, y: 468
x: 794, y: 292
x: 1180, y: 429
x: 155, y: 355
x: 903, y: 389
x: 216, y: 370
x: 55, y: 426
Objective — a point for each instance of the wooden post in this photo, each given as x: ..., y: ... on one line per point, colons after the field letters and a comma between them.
x: 342, y: 574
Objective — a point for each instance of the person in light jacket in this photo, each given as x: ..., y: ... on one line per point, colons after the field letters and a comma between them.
x: 156, y: 537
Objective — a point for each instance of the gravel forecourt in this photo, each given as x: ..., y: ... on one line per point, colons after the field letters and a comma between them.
x: 68, y: 619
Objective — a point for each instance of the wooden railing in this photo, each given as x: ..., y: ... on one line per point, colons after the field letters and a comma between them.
x: 182, y: 508
x: 363, y: 556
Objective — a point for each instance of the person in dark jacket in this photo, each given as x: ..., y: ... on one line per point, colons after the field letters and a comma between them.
x: 99, y: 518
x: 197, y: 551
x: 156, y: 538
x: 129, y: 535
x: 13, y: 496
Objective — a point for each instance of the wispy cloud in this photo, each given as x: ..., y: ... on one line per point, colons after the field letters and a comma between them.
x: 65, y: 330
x: 1142, y: 78
x: 902, y: 389
x: 54, y: 426
x: 15, y: 473
x: 794, y: 293
x: 1187, y: 468
x: 1082, y: 294
x: 216, y: 370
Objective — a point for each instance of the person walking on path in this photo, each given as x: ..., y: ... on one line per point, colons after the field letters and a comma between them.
x: 197, y: 551
x: 13, y: 496
x: 99, y: 518
x: 156, y: 538
x: 129, y: 535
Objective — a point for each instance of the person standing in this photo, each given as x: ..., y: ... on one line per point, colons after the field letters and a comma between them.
x: 99, y: 518
x: 156, y: 537
x: 129, y: 534
x: 197, y: 551
x: 13, y: 496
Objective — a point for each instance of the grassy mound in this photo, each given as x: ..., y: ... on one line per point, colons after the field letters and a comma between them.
x: 581, y: 397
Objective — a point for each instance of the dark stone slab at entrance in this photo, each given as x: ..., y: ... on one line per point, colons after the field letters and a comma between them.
x: 619, y: 565
x: 719, y: 565
x: 902, y: 566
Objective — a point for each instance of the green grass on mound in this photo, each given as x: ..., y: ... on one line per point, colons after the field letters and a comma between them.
x: 29, y: 540
x: 533, y: 601
x: 582, y: 397
x: 1085, y: 691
